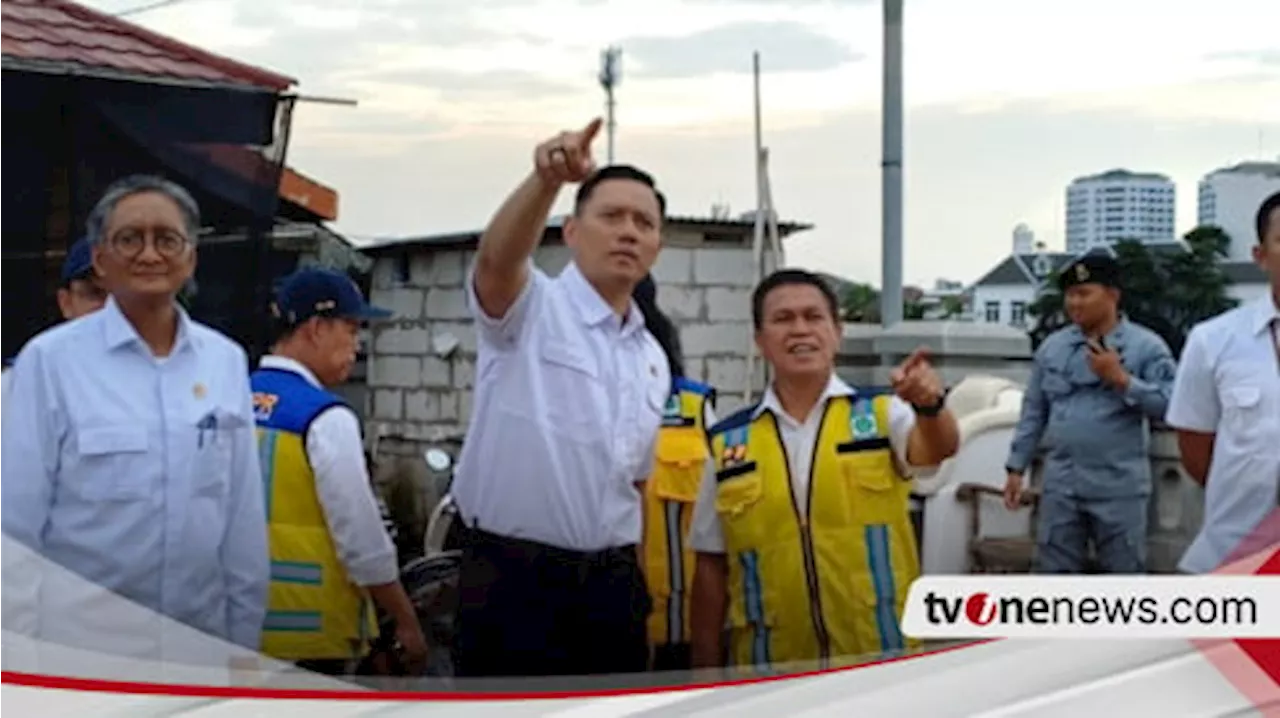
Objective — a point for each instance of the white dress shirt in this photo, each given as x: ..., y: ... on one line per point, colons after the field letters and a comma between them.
x: 798, y: 438
x: 108, y: 473
x: 567, y: 407
x: 1228, y: 384
x: 5, y: 378
x: 336, y: 454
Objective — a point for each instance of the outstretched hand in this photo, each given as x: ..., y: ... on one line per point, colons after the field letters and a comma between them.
x: 915, y: 381
x: 567, y: 156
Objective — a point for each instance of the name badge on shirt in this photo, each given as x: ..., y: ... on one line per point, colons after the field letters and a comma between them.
x: 862, y: 421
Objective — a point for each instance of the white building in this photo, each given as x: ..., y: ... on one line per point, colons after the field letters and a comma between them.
x: 1024, y: 240
x: 1119, y: 204
x: 1229, y: 198
x: 1004, y: 293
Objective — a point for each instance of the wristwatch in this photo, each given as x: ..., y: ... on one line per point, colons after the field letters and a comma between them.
x: 936, y: 408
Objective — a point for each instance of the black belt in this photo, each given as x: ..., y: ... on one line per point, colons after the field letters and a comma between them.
x: 477, y: 538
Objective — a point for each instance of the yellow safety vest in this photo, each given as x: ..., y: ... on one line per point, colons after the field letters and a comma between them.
x: 314, y: 610
x: 829, y: 587
x: 669, y: 497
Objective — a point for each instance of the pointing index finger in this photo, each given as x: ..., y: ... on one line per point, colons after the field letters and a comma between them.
x: 590, y: 131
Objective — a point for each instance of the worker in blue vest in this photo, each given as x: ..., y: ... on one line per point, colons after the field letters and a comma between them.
x: 79, y: 292
x: 330, y: 551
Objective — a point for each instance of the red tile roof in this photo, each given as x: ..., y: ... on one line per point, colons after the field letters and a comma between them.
x: 64, y: 34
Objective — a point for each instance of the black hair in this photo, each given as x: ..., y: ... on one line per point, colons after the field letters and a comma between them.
x: 1269, y: 206
x: 659, y: 324
x: 617, y: 172
x: 785, y: 277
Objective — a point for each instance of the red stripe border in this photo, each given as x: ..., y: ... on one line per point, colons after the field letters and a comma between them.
x: 100, y: 685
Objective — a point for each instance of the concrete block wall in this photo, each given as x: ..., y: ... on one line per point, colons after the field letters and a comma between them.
x: 418, y: 395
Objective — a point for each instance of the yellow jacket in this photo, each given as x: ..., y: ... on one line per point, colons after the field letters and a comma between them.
x: 314, y: 610
x: 828, y: 583
x: 669, y: 497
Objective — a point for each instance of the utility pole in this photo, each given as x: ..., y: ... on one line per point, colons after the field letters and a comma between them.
x: 891, y: 168
x: 610, y: 76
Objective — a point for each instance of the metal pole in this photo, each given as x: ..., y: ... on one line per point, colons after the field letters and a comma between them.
x: 609, y: 106
x: 891, y: 168
x: 757, y: 238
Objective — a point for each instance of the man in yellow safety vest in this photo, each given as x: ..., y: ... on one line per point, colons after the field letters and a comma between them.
x: 670, y: 492
x: 802, y: 525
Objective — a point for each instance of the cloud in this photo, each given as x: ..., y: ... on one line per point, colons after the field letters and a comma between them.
x: 331, y: 48
x: 486, y: 86
x: 791, y: 47
x: 1265, y: 57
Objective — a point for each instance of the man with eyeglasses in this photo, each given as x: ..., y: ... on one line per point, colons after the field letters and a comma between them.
x: 129, y: 458
x: 78, y: 294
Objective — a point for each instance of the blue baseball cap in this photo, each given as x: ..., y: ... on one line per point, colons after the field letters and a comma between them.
x: 78, y: 263
x: 317, y: 292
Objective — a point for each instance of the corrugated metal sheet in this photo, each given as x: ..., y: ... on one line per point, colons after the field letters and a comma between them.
x: 60, y: 32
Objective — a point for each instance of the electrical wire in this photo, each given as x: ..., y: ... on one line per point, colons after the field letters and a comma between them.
x: 150, y: 6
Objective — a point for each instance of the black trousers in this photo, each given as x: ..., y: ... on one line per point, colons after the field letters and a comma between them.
x: 527, y: 609
x: 672, y: 657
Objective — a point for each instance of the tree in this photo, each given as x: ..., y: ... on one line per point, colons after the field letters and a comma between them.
x: 1167, y: 293
x: 860, y: 303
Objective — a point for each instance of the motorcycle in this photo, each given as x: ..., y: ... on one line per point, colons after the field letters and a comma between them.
x: 430, y: 580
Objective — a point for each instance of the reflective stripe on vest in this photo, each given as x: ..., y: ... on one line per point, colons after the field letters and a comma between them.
x: 825, y: 581
x: 314, y: 610
x: 669, y: 497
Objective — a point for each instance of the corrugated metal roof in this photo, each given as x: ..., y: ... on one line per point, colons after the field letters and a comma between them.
x: 63, y: 36
x: 554, y: 224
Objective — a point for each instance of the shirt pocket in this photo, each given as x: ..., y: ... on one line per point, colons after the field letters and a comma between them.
x: 114, y: 464
x: 213, y: 436
x: 1055, y: 382
x: 570, y: 378
x: 1244, y: 415
x: 874, y: 487
x: 681, y: 458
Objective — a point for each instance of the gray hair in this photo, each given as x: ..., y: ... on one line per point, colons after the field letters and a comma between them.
x: 118, y: 191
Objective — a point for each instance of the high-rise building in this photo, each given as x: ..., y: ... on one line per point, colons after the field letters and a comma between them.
x: 1105, y: 208
x: 1024, y: 240
x: 1229, y: 198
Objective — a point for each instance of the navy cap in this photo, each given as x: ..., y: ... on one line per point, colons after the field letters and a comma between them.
x: 79, y: 261
x: 315, y: 292
x: 1091, y: 269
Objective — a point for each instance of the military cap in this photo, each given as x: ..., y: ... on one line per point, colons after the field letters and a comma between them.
x: 1090, y: 269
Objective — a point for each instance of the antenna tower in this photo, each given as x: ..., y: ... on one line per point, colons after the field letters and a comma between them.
x: 610, y: 76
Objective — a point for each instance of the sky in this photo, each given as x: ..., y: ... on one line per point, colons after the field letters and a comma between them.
x: 1006, y: 102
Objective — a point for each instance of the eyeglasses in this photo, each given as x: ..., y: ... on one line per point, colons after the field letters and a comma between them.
x: 130, y: 244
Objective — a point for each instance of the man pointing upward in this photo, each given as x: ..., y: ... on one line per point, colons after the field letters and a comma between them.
x: 563, y: 429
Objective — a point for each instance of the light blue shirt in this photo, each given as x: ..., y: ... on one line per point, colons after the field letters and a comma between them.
x: 139, y: 474
x: 1097, y: 437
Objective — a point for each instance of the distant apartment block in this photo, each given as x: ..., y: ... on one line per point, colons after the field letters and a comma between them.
x: 1105, y: 208
x: 1229, y: 198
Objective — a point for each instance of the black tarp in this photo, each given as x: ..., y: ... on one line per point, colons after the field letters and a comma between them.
x: 68, y: 137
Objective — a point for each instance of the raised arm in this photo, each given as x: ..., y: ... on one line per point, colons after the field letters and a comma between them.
x: 502, y: 259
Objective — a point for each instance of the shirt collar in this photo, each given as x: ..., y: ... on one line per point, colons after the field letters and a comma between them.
x: 591, y: 307
x: 835, y: 387
x: 275, y: 361
x: 1262, y: 313
x: 119, y: 331
x: 1114, y: 339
